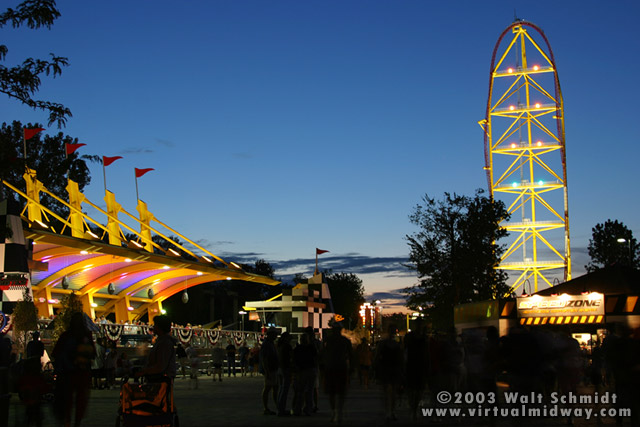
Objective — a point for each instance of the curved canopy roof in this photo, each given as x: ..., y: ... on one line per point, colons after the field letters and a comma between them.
x: 64, y: 264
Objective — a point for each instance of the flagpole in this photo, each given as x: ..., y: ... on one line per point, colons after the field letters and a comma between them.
x: 316, y: 262
x: 137, y: 197
x: 104, y: 175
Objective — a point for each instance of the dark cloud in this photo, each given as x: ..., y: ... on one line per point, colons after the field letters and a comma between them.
x: 242, y: 258
x: 391, y: 301
x: 390, y: 267
x: 137, y: 151
x: 352, y: 263
x: 390, y: 295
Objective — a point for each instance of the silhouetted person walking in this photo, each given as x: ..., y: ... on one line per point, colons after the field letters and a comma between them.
x: 388, y: 364
x: 269, y: 368
x: 285, y: 359
x: 364, y: 355
x: 72, y: 357
x: 231, y: 359
x: 416, y: 345
x: 304, y: 362
x: 337, y: 357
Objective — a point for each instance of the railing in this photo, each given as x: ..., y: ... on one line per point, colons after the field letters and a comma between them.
x: 132, y: 335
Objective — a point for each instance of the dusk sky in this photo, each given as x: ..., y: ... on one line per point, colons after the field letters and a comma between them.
x: 275, y: 127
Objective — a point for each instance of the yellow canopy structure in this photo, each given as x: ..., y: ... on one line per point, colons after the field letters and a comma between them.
x: 110, y: 273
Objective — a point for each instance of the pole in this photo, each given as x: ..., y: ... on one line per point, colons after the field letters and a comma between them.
x: 137, y: 197
x: 316, y: 272
x: 66, y: 157
x: 104, y: 175
x: 24, y: 146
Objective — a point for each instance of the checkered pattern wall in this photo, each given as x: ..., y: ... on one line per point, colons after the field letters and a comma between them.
x: 300, y: 317
x: 13, y: 254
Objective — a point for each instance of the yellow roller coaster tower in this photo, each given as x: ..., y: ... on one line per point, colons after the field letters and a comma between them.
x: 525, y: 156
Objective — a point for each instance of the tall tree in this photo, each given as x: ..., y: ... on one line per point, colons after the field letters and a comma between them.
x: 347, y: 294
x: 259, y: 291
x: 25, y: 319
x: 455, y: 254
x: 263, y: 268
x: 46, y: 155
x: 612, y: 243
x: 23, y: 81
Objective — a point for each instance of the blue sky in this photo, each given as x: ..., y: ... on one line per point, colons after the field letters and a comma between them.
x: 276, y: 127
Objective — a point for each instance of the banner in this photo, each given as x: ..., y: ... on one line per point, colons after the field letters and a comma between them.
x: 591, y: 304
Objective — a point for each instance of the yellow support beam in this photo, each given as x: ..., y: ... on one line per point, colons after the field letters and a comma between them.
x: 87, y: 305
x: 113, y: 208
x: 123, y: 314
x: 154, y: 309
x: 34, y: 209
x: 75, y: 217
x: 145, y: 224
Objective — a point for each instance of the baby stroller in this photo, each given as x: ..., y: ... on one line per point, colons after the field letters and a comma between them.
x: 147, y: 404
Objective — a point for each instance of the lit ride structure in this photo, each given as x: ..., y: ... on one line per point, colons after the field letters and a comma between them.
x: 525, y: 158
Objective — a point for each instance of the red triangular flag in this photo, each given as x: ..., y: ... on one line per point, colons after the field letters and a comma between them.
x: 140, y: 172
x: 30, y: 133
x: 108, y: 160
x: 320, y: 251
x: 71, y: 148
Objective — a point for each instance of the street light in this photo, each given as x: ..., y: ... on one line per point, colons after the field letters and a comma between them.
x: 414, y: 316
x: 628, y: 241
x: 242, y: 313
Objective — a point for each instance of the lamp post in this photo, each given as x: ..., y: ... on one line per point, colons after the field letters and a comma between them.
x: 377, y: 314
x: 628, y: 242
x: 242, y: 313
x: 414, y: 316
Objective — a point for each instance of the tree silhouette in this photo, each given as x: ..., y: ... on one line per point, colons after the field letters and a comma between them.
x: 347, y: 294
x: 25, y: 319
x: 612, y: 243
x: 455, y: 254
x: 46, y: 155
x: 23, y: 81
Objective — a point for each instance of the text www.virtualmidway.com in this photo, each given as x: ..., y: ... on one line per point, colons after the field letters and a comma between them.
x: 552, y: 411
x: 525, y: 405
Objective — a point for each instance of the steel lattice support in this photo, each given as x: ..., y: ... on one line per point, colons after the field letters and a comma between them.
x: 525, y: 155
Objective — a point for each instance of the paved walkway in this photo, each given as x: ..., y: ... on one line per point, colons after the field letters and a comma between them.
x: 236, y: 401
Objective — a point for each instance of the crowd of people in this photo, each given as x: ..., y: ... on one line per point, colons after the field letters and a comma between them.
x: 296, y: 368
x: 422, y: 363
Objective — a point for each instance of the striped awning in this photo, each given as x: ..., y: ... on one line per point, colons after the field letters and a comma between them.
x: 561, y: 320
